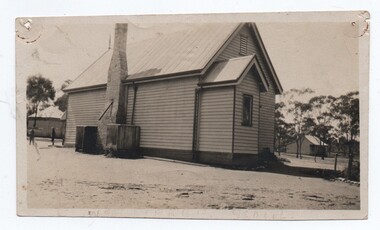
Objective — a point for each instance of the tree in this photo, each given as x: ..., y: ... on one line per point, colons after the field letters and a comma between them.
x: 346, y: 112
x: 322, y: 119
x: 61, y: 102
x: 283, y: 131
x: 300, y: 112
x: 38, y: 90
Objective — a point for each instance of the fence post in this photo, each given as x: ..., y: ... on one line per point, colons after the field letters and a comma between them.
x: 336, y: 161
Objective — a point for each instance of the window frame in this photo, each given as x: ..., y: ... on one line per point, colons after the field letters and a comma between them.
x: 249, y: 122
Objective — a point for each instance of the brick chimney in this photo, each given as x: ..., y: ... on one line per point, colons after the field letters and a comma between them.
x: 115, y: 93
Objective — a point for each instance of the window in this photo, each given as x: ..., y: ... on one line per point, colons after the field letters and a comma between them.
x: 243, y: 45
x: 247, y: 110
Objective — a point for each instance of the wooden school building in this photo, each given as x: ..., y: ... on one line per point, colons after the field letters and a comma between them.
x: 205, y: 93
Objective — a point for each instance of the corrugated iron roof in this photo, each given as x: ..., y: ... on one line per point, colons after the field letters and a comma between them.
x: 49, y: 112
x: 178, y: 52
x: 64, y: 116
x: 229, y: 70
x: 314, y: 140
x: 95, y: 74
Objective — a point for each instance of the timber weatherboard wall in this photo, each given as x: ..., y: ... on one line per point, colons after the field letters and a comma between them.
x: 164, y: 111
x: 266, y: 123
x: 246, y: 137
x: 267, y: 104
x: 84, y: 108
x: 163, y: 104
x: 267, y: 99
x: 216, y: 119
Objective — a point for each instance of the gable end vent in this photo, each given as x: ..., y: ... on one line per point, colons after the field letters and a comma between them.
x: 243, y: 45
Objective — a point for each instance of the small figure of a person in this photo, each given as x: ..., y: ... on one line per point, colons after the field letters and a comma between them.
x: 31, y: 137
x: 52, y: 136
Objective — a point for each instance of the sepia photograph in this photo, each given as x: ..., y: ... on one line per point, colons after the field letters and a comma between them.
x: 246, y: 116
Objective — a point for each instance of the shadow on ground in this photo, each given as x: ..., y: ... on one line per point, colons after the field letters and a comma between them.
x: 281, y: 168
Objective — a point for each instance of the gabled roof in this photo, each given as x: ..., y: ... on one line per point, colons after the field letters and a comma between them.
x: 49, y: 112
x: 181, y: 52
x: 314, y: 140
x: 95, y: 75
x: 229, y: 70
x: 268, y: 62
x: 232, y: 71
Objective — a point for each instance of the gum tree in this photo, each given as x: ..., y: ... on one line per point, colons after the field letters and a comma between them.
x: 38, y: 91
x: 322, y: 117
x: 345, y: 110
x: 283, y: 129
x: 300, y: 112
x: 61, y: 102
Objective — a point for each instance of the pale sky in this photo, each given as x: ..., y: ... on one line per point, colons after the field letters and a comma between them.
x: 322, y: 56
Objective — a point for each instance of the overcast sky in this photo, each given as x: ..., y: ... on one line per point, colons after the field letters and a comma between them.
x: 322, y: 56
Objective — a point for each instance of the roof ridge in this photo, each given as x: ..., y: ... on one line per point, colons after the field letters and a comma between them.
x: 176, y: 52
x: 198, y: 25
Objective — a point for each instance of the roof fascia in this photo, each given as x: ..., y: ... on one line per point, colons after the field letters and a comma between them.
x: 87, y: 88
x: 223, y: 47
x: 241, y: 77
x: 255, y: 63
x: 88, y: 67
x: 162, y: 77
x: 266, y: 56
x: 219, y: 84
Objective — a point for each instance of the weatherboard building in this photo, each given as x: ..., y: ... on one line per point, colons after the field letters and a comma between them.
x: 204, y: 94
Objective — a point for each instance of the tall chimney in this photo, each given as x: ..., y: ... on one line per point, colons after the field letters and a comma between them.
x: 115, y: 93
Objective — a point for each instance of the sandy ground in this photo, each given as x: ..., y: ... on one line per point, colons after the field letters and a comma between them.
x: 309, y: 162
x: 62, y: 178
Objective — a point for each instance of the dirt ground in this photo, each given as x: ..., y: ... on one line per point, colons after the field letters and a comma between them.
x: 308, y: 161
x: 62, y: 178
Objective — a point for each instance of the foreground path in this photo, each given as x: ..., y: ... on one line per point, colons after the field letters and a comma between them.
x: 61, y: 178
